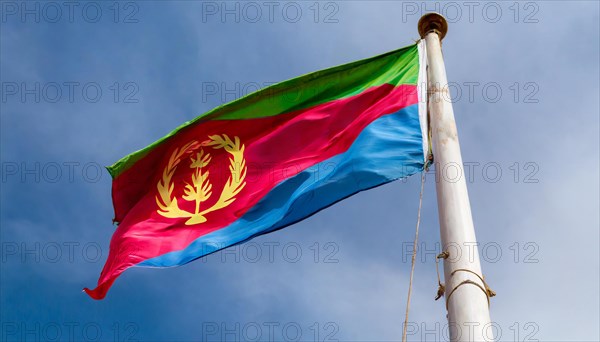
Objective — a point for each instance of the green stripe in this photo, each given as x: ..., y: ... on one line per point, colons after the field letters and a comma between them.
x: 395, y: 67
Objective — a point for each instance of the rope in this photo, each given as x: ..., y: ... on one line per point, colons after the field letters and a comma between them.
x: 487, y: 291
x: 414, y: 256
x: 441, y: 287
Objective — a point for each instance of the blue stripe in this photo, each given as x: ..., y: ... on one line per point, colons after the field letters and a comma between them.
x: 388, y: 149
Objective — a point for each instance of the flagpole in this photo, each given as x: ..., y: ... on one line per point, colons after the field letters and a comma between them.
x: 466, y: 294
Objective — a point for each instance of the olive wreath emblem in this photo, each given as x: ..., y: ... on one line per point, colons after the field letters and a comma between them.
x: 199, y: 189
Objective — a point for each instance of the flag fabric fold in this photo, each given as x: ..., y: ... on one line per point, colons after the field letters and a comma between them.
x: 268, y: 160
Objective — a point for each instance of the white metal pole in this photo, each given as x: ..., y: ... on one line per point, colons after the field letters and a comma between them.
x: 467, y: 303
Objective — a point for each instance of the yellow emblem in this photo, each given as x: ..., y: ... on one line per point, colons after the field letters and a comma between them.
x: 200, y: 188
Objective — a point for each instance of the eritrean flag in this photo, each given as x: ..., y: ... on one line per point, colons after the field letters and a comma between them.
x: 268, y: 160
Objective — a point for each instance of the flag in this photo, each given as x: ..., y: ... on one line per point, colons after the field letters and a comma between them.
x: 268, y: 160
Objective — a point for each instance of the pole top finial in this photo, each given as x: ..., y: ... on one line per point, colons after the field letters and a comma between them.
x: 433, y: 22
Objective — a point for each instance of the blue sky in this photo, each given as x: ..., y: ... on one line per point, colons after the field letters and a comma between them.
x: 525, y: 86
